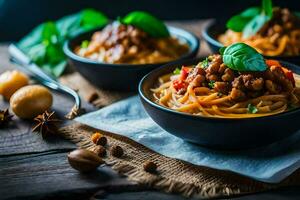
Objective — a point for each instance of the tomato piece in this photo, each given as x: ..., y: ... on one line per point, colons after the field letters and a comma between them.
x: 184, y: 72
x: 179, y: 84
x: 288, y: 73
x: 273, y: 62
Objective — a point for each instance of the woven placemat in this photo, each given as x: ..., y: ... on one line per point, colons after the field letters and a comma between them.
x: 173, y: 176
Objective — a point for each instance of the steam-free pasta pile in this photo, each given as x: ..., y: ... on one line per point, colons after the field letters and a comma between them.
x: 212, y: 89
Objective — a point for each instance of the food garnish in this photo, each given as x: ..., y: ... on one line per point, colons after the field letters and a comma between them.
x: 146, y: 22
x: 5, y: 117
x: 242, y: 57
x: 44, y: 44
x: 84, y: 160
x: 46, y: 124
x: 101, y: 151
x: 251, y: 20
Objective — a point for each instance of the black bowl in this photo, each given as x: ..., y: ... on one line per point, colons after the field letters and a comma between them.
x: 214, y: 28
x: 219, y: 133
x: 120, y: 76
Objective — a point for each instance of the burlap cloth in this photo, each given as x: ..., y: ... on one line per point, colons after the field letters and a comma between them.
x: 174, y: 176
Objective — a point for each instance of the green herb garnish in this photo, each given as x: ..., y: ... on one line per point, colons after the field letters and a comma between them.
x: 84, y: 44
x: 252, y: 109
x: 211, y: 84
x: 146, y: 22
x: 44, y: 43
x: 177, y: 71
x: 205, y: 63
x: 242, y: 57
x: 252, y: 19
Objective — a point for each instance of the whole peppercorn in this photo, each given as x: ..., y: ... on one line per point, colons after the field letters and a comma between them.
x: 102, y: 141
x: 150, y: 167
x: 117, y: 151
x: 95, y: 137
x: 101, y: 151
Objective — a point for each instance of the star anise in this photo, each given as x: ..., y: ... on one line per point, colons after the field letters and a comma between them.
x: 46, y: 123
x: 5, y: 117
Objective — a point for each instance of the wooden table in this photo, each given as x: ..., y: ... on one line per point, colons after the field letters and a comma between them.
x: 32, y: 168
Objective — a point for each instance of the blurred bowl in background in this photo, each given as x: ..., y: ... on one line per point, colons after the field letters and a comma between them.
x: 121, y: 76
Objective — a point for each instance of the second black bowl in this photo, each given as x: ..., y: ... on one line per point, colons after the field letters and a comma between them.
x: 120, y: 76
x: 220, y: 133
x: 214, y: 28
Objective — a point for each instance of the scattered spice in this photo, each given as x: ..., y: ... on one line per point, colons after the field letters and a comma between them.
x: 95, y: 137
x: 117, y: 151
x: 150, y: 167
x: 101, y: 151
x: 84, y: 160
x: 102, y: 141
x: 46, y: 123
x: 5, y: 117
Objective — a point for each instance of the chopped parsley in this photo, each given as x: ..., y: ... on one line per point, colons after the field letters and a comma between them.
x: 211, y: 84
x: 252, y: 109
x: 84, y: 44
x: 205, y: 63
x: 177, y: 71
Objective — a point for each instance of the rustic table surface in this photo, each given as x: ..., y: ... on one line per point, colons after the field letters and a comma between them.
x: 32, y: 168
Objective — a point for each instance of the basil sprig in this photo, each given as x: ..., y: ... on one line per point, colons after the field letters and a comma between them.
x: 252, y: 19
x: 146, y: 22
x: 242, y: 57
x: 44, y: 43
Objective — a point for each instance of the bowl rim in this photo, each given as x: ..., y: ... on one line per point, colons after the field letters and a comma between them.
x: 190, y: 37
x: 190, y: 116
x: 210, y: 39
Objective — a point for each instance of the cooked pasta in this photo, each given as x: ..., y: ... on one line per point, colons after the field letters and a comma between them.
x: 218, y: 91
x: 278, y: 37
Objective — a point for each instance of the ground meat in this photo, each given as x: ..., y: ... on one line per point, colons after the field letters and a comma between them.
x: 198, y: 80
x: 280, y: 78
x: 238, y: 83
x: 272, y: 87
x: 237, y: 95
x: 222, y: 87
x: 212, y: 77
x: 252, y: 83
x: 194, y: 72
x: 214, y: 65
x: 228, y: 75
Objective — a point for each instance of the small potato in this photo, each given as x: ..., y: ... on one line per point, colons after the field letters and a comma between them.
x: 30, y: 101
x: 11, y: 81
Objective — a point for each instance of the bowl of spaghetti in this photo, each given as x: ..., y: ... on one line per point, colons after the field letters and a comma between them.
x: 272, y: 31
x: 118, y: 55
x: 222, y: 102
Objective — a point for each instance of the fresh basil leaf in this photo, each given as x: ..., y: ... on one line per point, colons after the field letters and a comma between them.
x: 241, y: 57
x: 267, y: 8
x: 211, y: 84
x: 238, y: 22
x: 92, y: 18
x: 255, y: 25
x: 252, y: 109
x: 146, y: 22
x: 85, y: 44
x: 44, y: 44
x: 251, y: 12
x: 177, y: 71
x: 221, y: 50
x: 205, y: 63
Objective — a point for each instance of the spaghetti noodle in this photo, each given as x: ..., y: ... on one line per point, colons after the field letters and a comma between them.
x: 213, y: 90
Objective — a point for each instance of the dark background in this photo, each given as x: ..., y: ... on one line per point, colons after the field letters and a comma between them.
x: 18, y: 17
